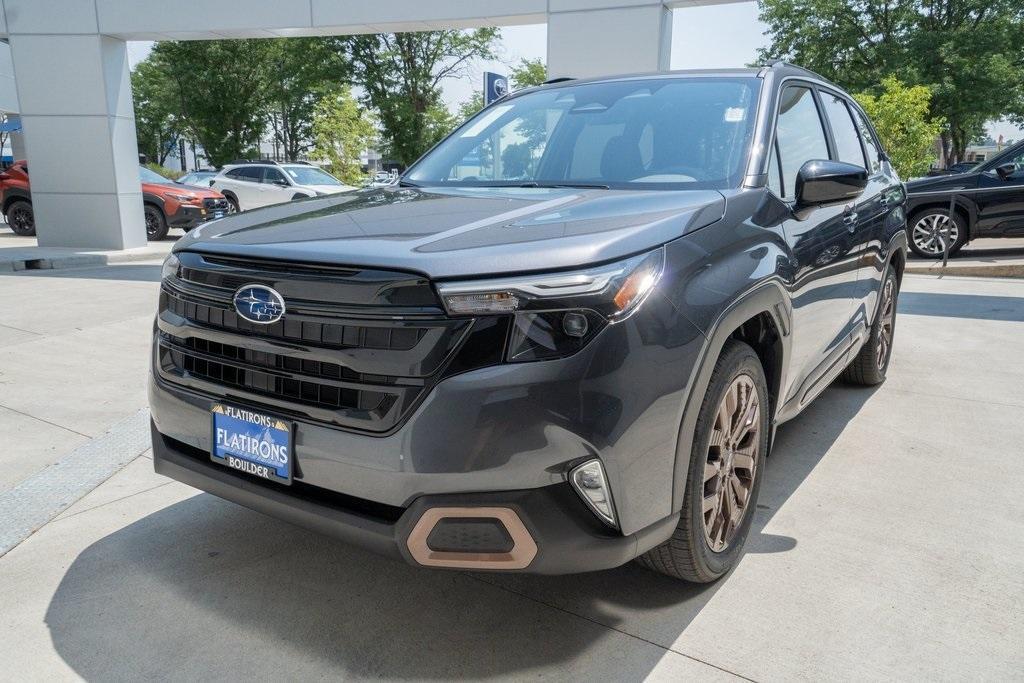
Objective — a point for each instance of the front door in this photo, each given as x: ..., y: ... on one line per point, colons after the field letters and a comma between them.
x: 823, y: 246
x: 1000, y: 200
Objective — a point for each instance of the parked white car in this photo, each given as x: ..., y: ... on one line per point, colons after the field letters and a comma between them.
x: 250, y: 185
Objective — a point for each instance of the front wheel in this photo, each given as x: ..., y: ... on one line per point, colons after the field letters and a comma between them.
x: 156, y: 224
x: 872, y: 361
x: 932, y: 230
x: 21, y: 218
x: 726, y: 464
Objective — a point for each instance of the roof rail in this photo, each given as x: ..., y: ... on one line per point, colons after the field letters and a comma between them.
x: 267, y: 162
x: 560, y: 79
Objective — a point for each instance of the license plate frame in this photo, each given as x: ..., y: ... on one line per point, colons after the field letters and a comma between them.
x: 249, y: 441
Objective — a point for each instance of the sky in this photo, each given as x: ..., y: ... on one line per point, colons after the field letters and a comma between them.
x: 697, y: 42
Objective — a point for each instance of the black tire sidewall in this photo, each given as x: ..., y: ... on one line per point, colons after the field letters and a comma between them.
x: 19, y: 204
x: 961, y: 232
x: 876, y: 328
x: 161, y: 231
x: 738, y: 358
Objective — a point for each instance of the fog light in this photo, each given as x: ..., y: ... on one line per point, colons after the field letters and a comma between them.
x: 575, y: 325
x: 589, y: 481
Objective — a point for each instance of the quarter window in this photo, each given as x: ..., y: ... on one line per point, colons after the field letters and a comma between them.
x: 844, y: 133
x: 799, y: 134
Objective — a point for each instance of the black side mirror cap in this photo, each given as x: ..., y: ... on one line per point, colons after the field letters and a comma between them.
x: 821, y: 182
x: 1004, y: 171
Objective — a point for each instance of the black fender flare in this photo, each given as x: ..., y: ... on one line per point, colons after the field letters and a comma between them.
x: 154, y: 199
x: 12, y: 194
x: 766, y: 297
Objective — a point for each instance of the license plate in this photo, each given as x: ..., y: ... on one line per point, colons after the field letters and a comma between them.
x: 218, y: 214
x: 252, y: 442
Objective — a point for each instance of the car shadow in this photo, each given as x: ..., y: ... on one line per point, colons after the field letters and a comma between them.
x: 205, y: 589
x: 976, y: 306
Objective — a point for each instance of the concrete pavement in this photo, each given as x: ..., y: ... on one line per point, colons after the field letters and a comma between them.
x: 886, y: 544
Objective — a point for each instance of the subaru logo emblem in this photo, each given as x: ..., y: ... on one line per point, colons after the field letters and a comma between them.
x: 259, y: 304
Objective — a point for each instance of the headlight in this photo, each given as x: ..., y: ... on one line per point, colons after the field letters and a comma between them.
x: 186, y: 198
x: 170, y: 267
x: 557, y: 314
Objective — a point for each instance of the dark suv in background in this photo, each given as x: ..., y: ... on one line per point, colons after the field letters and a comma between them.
x: 987, y: 201
x: 562, y: 341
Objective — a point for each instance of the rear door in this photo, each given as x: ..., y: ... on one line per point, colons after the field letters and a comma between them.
x: 823, y: 247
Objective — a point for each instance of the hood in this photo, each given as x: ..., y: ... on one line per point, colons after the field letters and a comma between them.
x: 160, y: 188
x: 449, y: 233
x: 943, y: 183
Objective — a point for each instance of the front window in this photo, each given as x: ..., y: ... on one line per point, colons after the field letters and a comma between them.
x: 657, y: 133
x: 310, y: 175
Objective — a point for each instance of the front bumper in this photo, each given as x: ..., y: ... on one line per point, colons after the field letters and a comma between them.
x: 188, y: 217
x: 499, y: 436
x: 568, y: 538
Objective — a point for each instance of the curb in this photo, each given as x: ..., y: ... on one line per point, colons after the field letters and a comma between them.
x: 44, y: 260
x: 1011, y: 270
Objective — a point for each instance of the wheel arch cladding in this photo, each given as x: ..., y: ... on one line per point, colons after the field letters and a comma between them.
x: 760, y: 318
x: 13, y: 194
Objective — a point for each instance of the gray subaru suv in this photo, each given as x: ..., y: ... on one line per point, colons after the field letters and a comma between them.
x: 562, y: 341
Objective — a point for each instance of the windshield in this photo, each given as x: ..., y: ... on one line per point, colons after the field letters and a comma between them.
x: 658, y: 133
x: 148, y: 176
x: 310, y: 175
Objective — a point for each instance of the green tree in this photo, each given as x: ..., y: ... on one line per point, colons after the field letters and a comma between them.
x: 220, y: 89
x: 401, y: 76
x: 968, y: 52
x: 300, y: 71
x: 900, y: 115
x: 157, y: 124
x: 528, y: 73
x: 341, y: 130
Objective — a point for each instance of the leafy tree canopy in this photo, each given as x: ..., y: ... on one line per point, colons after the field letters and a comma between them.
x: 527, y: 73
x: 900, y: 115
x: 401, y: 76
x: 341, y: 130
x: 220, y: 91
x: 969, y: 53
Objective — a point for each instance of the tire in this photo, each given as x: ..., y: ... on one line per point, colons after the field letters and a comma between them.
x: 872, y: 361
x: 928, y: 224
x: 688, y: 554
x: 232, y: 203
x: 21, y: 218
x: 156, y: 224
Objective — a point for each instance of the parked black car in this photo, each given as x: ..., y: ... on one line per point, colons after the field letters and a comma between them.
x: 987, y: 202
x: 554, y: 360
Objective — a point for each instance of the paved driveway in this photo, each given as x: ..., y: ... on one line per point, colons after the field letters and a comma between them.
x: 887, y: 544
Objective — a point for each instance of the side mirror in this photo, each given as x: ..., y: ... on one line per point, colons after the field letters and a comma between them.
x: 1004, y: 171
x: 821, y: 182
x: 282, y: 182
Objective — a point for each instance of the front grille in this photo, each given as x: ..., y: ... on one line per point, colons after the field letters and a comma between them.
x: 213, y: 204
x: 355, y: 364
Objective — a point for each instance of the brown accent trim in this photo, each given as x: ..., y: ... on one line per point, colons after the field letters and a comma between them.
x: 522, y: 553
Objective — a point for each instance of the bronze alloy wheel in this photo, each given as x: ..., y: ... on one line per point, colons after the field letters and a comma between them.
x: 886, y: 320
x: 732, y: 461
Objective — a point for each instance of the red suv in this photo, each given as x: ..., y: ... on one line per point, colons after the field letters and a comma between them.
x: 167, y: 204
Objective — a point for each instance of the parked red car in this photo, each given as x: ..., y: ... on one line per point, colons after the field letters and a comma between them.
x: 166, y: 204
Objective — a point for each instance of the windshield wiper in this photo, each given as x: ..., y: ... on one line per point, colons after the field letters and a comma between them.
x: 581, y: 186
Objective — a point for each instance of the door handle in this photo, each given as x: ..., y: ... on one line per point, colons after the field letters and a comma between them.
x: 850, y: 221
